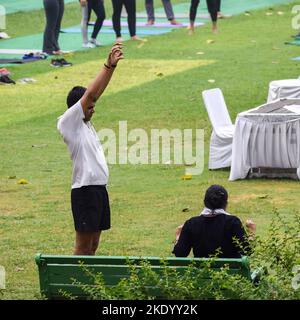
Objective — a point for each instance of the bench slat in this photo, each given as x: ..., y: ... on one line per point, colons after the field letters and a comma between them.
x: 67, y: 273
x: 121, y: 260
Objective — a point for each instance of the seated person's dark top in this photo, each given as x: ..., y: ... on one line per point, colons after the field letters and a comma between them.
x: 207, y: 234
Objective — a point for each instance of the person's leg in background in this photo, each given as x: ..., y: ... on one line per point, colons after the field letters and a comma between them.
x: 220, y: 15
x: 116, y: 18
x: 98, y: 7
x: 150, y: 12
x: 84, y: 24
x: 212, y: 7
x: 130, y: 7
x: 169, y: 12
x: 3, y: 35
x: 61, y: 9
x: 51, y: 11
x: 193, y: 14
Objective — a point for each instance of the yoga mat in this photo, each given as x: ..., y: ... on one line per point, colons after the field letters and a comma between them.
x: 108, y: 23
x: 67, y: 41
x: 177, y: 16
x: 152, y: 31
x: 19, y: 51
x: 12, y: 6
x: 18, y: 61
x: 143, y: 15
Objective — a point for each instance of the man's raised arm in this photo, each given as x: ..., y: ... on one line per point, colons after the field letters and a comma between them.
x: 97, y: 87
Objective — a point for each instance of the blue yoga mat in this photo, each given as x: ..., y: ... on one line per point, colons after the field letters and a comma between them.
x: 77, y: 29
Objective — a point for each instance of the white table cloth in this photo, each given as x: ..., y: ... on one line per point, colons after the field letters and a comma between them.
x: 281, y: 89
x: 266, y: 137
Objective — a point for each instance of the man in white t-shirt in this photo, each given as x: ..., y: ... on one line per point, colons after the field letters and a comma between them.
x: 89, y: 198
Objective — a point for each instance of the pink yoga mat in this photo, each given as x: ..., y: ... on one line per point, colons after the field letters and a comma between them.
x: 108, y: 23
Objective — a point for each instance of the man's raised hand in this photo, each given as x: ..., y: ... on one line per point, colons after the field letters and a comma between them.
x: 115, y: 55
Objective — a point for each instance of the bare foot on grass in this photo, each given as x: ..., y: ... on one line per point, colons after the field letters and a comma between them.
x: 191, y: 30
x: 136, y: 38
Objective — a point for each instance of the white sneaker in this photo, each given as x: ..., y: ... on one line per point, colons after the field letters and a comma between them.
x: 95, y: 42
x: 88, y: 45
x: 4, y: 35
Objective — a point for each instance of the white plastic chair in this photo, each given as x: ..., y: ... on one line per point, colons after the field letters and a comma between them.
x: 221, y: 138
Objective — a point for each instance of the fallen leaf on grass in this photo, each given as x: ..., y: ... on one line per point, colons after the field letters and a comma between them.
x: 187, y: 177
x: 280, y: 13
x: 269, y: 13
x: 211, y: 80
x: 22, y: 181
x: 140, y: 45
x: 200, y: 52
x: 263, y: 196
x: 39, y: 145
x: 143, y: 41
x: 18, y: 269
x: 210, y: 41
x: 186, y: 209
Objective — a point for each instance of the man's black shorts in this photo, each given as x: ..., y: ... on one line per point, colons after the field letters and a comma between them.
x: 90, y: 207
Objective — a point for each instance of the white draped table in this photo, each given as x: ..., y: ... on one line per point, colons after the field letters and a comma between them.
x: 281, y: 89
x: 267, y: 137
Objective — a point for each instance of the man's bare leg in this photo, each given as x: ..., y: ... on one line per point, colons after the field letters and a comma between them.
x: 95, y: 242
x: 83, y: 243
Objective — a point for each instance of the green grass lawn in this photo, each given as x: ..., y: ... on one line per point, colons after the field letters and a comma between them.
x: 146, y: 200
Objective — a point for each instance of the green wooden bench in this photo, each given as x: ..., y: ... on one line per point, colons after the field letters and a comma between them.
x: 57, y: 273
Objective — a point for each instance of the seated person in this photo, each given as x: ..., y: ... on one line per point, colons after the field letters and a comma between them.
x: 214, y: 230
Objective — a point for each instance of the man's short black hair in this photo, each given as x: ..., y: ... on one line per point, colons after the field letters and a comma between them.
x: 216, y: 197
x: 75, y: 95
